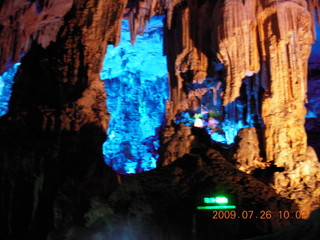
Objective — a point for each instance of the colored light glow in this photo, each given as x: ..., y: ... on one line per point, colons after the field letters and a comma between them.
x: 315, y: 51
x: 216, y: 207
x: 6, y: 81
x: 229, y: 127
x: 137, y: 89
x: 313, y: 105
x: 218, y: 200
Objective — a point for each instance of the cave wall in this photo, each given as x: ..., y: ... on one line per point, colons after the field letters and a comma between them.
x: 52, y: 135
x: 136, y: 83
x: 268, y: 42
x: 23, y: 22
x: 51, y: 156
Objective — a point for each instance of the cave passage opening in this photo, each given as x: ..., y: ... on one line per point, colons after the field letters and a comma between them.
x: 136, y: 83
x: 223, y: 122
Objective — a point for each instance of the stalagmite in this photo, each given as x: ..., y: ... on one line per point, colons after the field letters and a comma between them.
x: 281, y: 35
x: 265, y: 46
x: 286, y: 37
x: 246, y: 59
x: 248, y: 155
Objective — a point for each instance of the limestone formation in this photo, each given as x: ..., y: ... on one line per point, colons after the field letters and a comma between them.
x: 176, y: 142
x: 250, y: 55
x: 52, y: 135
x: 23, y: 22
x: 270, y: 42
x: 285, y: 50
x: 248, y: 155
x: 236, y: 41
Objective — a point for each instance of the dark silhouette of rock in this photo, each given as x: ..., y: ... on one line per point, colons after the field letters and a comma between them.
x: 53, y: 180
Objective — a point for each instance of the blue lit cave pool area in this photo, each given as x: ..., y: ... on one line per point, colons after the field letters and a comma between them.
x: 136, y: 83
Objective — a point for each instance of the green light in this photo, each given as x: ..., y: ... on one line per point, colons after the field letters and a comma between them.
x: 216, y: 207
x: 218, y: 200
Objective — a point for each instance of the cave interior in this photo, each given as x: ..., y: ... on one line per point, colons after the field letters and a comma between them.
x: 159, y: 120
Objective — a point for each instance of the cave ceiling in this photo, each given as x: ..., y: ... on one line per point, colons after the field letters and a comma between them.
x: 246, y: 60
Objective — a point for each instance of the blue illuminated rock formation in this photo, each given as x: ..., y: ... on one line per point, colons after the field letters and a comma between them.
x: 243, y: 111
x: 6, y: 81
x: 313, y: 117
x: 137, y: 88
x: 223, y: 123
x: 314, y: 79
x: 136, y: 85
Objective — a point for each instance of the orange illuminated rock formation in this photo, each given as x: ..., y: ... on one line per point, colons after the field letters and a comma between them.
x: 23, y: 22
x: 51, y: 138
x: 285, y: 51
x: 269, y: 41
x: 273, y: 39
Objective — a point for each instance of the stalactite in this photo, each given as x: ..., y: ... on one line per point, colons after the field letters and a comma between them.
x: 188, y: 50
x: 57, y: 119
x: 286, y: 37
x: 190, y: 58
x: 263, y: 45
x: 235, y: 39
x: 22, y: 23
x: 139, y: 12
x: 215, y: 93
x: 314, y: 6
x: 188, y: 55
x: 272, y: 39
x: 269, y: 43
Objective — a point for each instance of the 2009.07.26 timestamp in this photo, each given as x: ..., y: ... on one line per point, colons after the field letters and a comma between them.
x: 263, y: 214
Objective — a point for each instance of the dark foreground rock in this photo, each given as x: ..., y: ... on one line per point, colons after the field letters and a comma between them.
x: 160, y: 204
x: 307, y: 230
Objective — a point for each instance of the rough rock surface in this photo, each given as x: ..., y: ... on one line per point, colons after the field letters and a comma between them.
x: 176, y: 142
x: 269, y: 41
x: 136, y: 81
x: 51, y: 157
x: 286, y: 51
x: 159, y: 204
x: 248, y: 156
x: 306, y: 230
x: 23, y: 22
x: 313, y: 116
x: 235, y: 38
x: 52, y: 135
